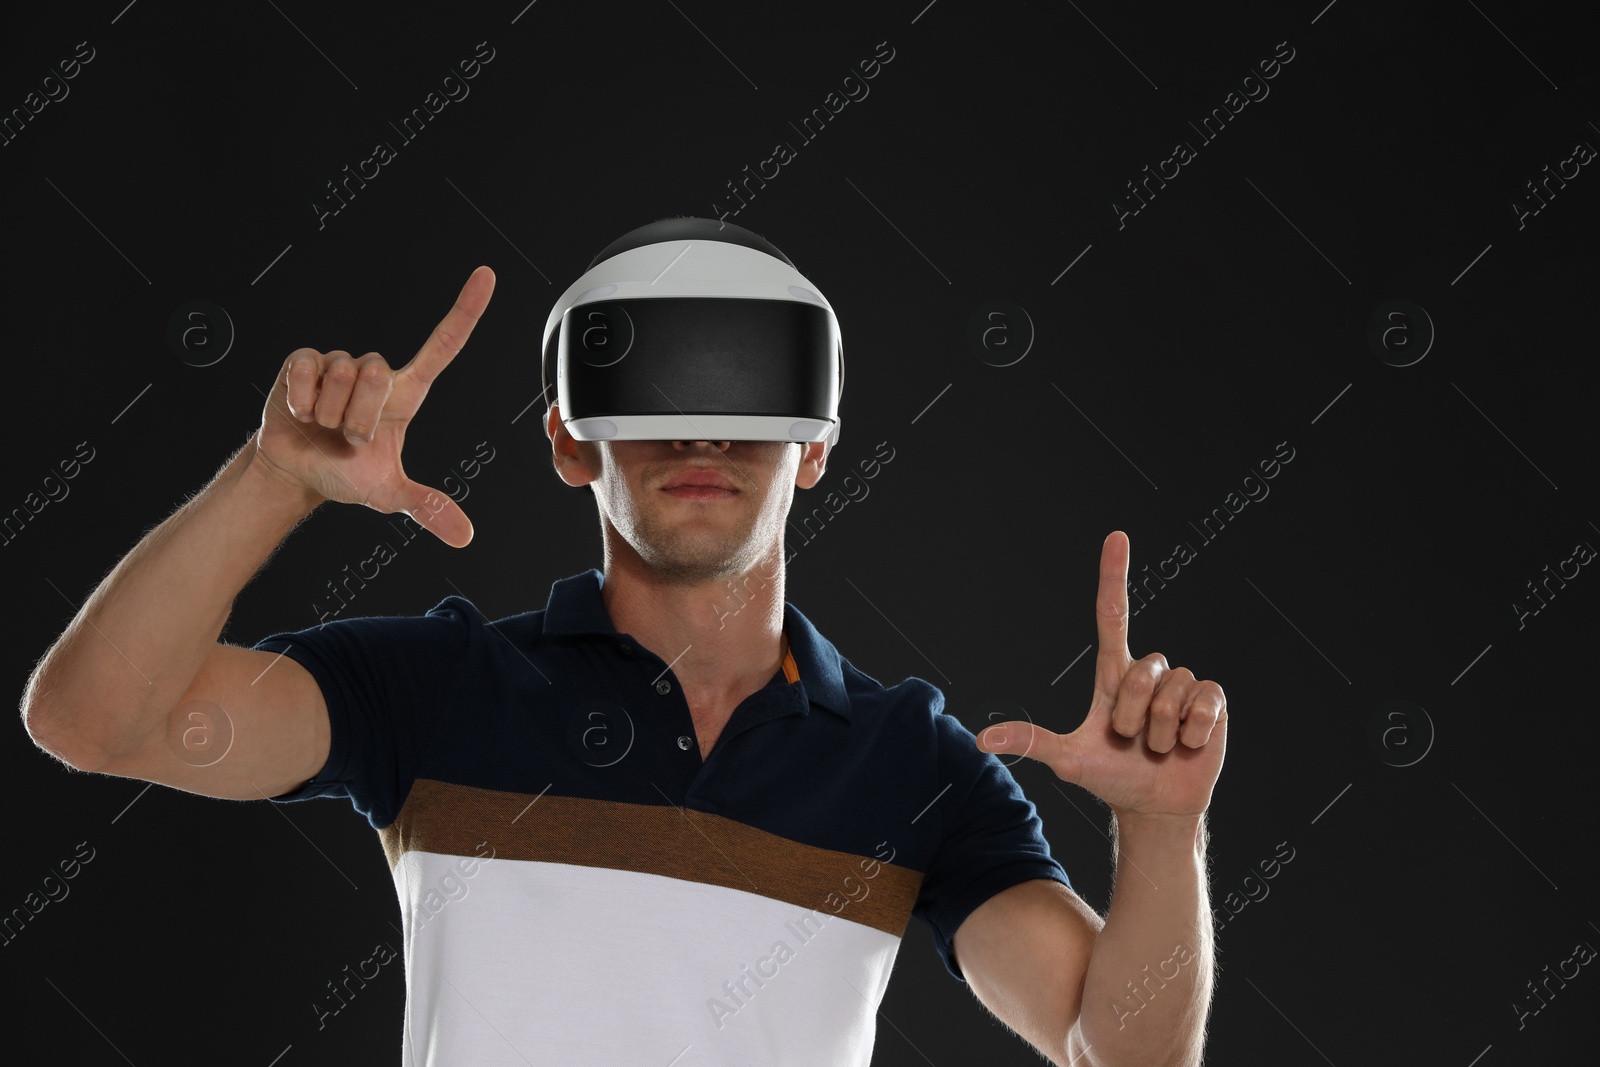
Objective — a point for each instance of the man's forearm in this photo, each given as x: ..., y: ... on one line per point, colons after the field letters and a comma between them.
x: 138, y: 641
x: 1148, y: 988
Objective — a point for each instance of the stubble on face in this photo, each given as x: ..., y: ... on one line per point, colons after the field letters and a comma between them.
x: 688, y: 542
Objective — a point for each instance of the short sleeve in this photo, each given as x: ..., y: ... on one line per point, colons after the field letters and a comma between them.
x: 387, y: 681
x: 991, y: 838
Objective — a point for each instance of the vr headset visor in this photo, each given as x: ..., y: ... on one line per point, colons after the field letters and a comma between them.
x: 694, y: 339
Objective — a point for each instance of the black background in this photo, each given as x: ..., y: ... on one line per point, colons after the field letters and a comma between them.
x: 1180, y: 349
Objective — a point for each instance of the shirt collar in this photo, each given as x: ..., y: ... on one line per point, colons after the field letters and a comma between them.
x: 576, y: 607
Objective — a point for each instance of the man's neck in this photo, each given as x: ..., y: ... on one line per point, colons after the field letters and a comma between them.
x: 722, y: 638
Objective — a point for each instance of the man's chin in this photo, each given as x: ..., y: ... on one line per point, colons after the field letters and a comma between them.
x: 679, y: 568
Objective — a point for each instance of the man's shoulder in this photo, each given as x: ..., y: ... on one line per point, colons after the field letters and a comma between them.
x: 908, y: 701
x: 912, y: 696
x: 454, y: 613
x: 915, y: 706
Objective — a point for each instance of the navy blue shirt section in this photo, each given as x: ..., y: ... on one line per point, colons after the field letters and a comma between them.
x: 557, y: 701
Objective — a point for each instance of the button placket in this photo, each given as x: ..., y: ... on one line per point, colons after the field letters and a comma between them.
x: 685, y: 741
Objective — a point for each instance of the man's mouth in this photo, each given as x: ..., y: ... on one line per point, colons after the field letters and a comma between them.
x: 700, y: 478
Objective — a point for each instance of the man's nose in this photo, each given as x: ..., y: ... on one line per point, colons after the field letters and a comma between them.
x: 682, y: 445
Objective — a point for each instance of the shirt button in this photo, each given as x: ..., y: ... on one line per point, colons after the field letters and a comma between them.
x: 626, y: 650
x: 663, y: 687
x: 685, y: 741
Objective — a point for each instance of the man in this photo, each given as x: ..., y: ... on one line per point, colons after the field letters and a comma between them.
x: 638, y: 826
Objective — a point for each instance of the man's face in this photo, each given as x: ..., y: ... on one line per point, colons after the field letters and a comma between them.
x: 683, y: 537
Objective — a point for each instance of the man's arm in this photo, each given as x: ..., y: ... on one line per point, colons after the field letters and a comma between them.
x: 1025, y: 954
x: 1151, y: 747
x: 1134, y: 988
x: 115, y: 691
x: 1148, y: 988
x: 138, y: 675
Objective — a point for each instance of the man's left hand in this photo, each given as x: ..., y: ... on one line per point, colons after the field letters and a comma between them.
x: 1153, y: 741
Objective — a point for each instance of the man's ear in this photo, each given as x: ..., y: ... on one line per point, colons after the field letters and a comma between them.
x: 565, y: 454
x: 813, y: 461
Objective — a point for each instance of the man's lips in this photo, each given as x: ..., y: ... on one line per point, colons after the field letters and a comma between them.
x: 700, y: 479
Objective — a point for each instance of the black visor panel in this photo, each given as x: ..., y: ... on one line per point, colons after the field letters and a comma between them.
x: 720, y: 355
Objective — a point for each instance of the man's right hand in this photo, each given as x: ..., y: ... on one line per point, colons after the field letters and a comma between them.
x: 334, y: 426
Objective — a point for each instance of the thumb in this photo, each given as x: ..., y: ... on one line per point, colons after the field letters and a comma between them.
x: 1022, y: 738
x: 435, y: 512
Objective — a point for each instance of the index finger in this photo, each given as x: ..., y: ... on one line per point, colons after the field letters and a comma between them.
x: 1111, y: 614
x: 450, y: 336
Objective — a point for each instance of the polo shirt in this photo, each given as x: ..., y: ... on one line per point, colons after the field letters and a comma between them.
x: 578, y: 885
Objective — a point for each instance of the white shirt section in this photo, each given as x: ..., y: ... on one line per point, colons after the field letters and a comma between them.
x: 524, y: 962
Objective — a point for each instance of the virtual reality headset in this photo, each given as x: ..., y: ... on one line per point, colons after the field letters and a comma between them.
x: 692, y: 329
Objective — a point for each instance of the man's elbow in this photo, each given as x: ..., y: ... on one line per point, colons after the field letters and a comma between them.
x: 47, y: 735
x: 1077, y: 1051
x: 51, y: 727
